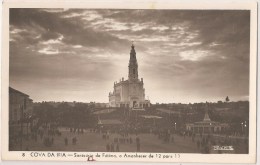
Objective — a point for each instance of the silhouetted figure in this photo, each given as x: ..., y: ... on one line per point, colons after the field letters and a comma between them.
x: 66, y: 141
x: 137, y: 140
x: 112, y: 147
x: 117, y: 147
x: 41, y: 135
x: 206, y: 149
x: 193, y: 138
x: 108, y: 147
x: 172, y: 139
x: 138, y: 147
x: 74, y: 141
x: 198, y: 144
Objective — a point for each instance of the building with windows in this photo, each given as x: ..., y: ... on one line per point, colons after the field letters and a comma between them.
x: 20, y: 105
x: 129, y: 93
x: 20, y: 114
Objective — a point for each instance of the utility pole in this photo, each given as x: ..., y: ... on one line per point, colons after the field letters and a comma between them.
x: 21, y: 120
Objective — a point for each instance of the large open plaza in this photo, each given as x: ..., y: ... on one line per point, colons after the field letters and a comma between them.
x: 95, y: 142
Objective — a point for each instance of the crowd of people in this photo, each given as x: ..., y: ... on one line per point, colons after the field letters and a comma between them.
x: 113, y: 145
x: 119, y: 140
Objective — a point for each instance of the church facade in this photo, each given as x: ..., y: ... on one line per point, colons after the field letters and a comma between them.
x: 129, y: 93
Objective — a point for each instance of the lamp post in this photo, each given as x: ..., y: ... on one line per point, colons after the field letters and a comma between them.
x: 242, y: 127
x: 175, y: 126
x: 210, y: 128
x: 245, y: 128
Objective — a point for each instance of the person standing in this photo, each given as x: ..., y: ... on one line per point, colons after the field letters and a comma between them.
x: 137, y: 140
x: 117, y: 147
x: 66, y: 141
x: 198, y: 144
x: 138, y: 147
x: 52, y: 141
x: 112, y: 147
x: 172, y: 139
x: 108, y: 147
x: 36, y: 137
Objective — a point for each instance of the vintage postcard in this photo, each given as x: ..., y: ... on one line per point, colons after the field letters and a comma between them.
x: 150, y: 81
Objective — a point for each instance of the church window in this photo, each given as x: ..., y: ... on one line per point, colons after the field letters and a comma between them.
x: 133, y: 71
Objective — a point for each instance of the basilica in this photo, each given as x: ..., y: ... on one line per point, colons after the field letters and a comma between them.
x: 129, y: 93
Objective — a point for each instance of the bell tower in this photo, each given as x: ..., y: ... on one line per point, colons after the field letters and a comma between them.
x: 132, y: 66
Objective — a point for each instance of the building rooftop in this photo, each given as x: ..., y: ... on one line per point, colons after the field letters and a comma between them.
x: 12, y: 90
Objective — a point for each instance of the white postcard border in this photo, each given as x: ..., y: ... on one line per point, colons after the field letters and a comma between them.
x: 134, y: 4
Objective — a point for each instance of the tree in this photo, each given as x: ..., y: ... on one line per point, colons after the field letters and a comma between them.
x: 227, y: 99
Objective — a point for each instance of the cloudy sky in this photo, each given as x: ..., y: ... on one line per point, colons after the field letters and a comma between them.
x: 183, y: 56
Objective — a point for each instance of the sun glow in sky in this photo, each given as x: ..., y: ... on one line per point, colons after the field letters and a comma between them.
x: 183, y: 55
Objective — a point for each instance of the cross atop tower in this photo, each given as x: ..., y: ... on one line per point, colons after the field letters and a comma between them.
x: 133, y: 46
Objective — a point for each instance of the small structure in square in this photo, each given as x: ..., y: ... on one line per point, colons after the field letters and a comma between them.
x: 206, y: 125
x: 129, y: 93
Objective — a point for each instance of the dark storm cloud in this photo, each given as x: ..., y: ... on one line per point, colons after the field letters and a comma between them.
x: 52, y: 25
x: 84, y: 51
x: 229, y: 28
